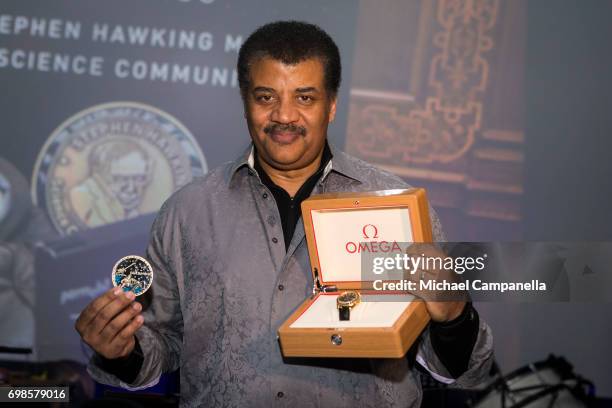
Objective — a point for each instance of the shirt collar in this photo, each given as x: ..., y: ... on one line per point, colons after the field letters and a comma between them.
x: 340, y: 164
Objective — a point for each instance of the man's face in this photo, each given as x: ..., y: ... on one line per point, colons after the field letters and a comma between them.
x: 288, y: 110
x: 129, y: 176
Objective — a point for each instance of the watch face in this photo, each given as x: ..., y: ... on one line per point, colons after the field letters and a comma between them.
x: 133, y: 273
x: 348, y: 297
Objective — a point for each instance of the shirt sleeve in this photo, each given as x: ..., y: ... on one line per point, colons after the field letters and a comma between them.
x: 126, y: 369
x: 160, y: 337
x: 436, y: 227
x: 479, y: 362
x: 453, y: 341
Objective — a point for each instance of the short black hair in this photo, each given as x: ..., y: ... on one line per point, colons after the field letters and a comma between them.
x: 290, y: 42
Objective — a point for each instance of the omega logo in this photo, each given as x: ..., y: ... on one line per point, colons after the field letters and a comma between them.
x: 365, y: 230
x: 370, y: 231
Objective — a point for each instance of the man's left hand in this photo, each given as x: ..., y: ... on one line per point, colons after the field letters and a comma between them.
x: 443, y: 306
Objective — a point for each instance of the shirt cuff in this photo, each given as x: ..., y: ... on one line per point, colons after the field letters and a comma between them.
x: 126, y: 368
x: 454, y: 341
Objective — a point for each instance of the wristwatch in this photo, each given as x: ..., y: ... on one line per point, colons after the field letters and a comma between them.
x: 345, y: 302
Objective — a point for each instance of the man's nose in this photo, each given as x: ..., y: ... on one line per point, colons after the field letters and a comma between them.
x: 285, y: 112
x: 129, y: 184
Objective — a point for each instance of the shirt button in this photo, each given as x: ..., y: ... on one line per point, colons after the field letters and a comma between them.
x: 280, y: 394
x: 275, y: 240
x: 265, y: 195
x: 281, y: 287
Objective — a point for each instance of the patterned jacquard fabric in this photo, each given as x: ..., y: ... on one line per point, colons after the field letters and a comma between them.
x: 224, y: 284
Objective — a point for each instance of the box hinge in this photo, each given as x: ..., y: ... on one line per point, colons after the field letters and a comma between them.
x: 317, y: 287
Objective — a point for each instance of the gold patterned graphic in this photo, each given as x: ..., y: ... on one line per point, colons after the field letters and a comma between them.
x: 444, y: 128
x: 439, y: 127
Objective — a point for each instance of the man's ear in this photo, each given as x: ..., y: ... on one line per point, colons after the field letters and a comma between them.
x: 332, y: 108
x: 243, y: 98
x: 244, y: 108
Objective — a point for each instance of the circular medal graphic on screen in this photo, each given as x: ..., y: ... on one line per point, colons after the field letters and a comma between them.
x: 133, y: 274
x: 113, y: 162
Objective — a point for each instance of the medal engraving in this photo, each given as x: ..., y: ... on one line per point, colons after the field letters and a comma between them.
x: 113, y: 162
x: 133, y: 274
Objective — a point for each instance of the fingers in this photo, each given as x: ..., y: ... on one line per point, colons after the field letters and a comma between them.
x: 112, y: 309
x: 117, y: 324
x: 109, y: 322
x: 128, y: 331
x: 123, y: 343
x: 90, y: 312
x: 127, y: 349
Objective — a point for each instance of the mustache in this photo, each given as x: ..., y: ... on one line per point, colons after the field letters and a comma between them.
x: 278, y: 128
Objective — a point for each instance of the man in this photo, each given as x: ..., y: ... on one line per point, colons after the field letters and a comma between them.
x: 231, y: 261
x: 120, y: 172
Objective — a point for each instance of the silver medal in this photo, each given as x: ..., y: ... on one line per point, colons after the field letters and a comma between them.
x: 133, y: 273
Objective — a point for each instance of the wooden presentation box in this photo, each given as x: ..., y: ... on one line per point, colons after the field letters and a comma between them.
x: 339, y: 226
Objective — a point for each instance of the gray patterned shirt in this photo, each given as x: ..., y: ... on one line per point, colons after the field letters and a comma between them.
x: 224, y: 284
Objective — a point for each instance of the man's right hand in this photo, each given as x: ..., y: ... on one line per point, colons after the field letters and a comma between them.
x: 109, y: 322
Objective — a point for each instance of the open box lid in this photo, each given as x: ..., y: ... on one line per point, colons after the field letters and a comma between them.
x: 340, y: 227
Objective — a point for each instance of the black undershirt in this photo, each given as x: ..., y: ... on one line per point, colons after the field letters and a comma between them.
x: 289, y: 208
x: 452, y: 341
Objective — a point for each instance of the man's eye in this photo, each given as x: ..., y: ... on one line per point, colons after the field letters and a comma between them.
x: 305, y: 98
x: 263, y: 98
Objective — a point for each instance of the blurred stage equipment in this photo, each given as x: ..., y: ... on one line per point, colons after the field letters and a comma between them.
x: 548, y: 383
x: 21, y: 226
x: 49, y: 374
